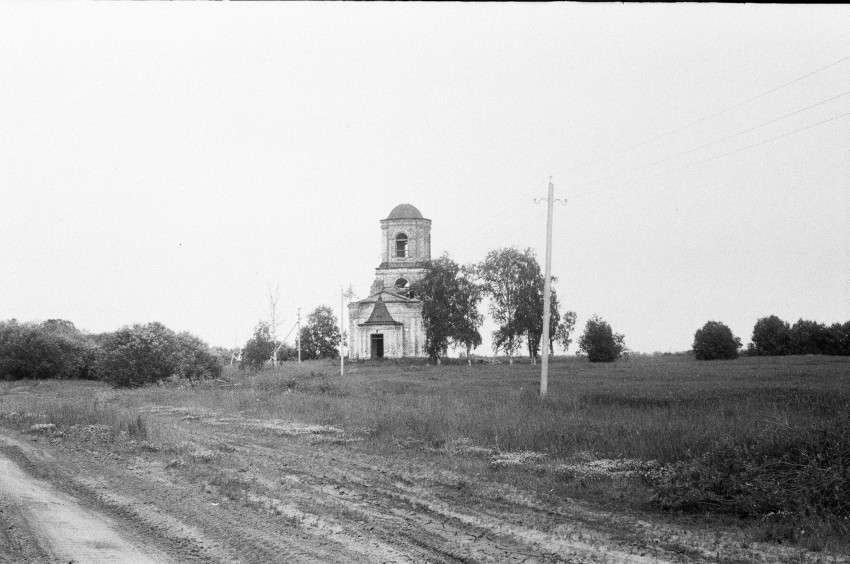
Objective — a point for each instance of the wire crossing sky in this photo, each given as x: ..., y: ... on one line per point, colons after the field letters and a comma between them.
x: 172, y: 162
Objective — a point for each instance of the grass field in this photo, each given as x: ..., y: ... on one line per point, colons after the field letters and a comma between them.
x: 767, y: 438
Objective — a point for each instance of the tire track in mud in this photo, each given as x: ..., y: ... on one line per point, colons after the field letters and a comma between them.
x: 62, y: 529
x: 401, y: 523
x: 18, y: 542
x: 404, y: 517
x: 209, y: 533
x: 155, y: 511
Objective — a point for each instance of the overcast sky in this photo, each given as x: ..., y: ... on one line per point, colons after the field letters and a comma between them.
x: 171, y: 162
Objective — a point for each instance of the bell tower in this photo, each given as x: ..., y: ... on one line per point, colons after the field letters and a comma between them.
x: 405, y: 248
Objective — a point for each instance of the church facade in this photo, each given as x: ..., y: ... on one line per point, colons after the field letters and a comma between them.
x: 388, y: 324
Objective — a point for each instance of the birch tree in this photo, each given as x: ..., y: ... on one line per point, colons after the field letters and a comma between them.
x: 511, y: 279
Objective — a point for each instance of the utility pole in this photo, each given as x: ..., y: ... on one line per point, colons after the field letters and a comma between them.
x: 299, y: 335
x: 341, y: 358
x: 233, y: 351
x: 547, y: 291
x: 274, y: 323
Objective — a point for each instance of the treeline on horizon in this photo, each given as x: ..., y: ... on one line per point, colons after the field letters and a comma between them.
x: 147, y: 353
x: 774, y: 337
x: 131, y: 356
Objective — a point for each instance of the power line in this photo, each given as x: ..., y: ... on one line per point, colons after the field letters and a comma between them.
x: 703, y: 119
x: 509, y: 209
x: 714, y: 157
x: 742, y: 132
x: 523, y: 227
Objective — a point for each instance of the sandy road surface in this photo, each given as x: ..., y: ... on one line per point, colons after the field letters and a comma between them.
x: 44, y: 524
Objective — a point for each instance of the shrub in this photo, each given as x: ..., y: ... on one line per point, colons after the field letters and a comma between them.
x: 771, y: 337
x: 143, y: 354
x: 195, y: 359
x: 715, y: 341
x: 259, y: 348
x: 600, y: 343
x: 783, y: 470
x: 53, y: 349
x: 320, y: 336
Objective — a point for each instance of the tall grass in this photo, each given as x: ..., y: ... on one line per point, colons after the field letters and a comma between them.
x: 758, y: 437
x: 728, y: 435
x: 92, y: 408
x: 650, y: 408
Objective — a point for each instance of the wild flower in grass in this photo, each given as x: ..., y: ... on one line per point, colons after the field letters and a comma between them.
x: 611, y: 467
x: 520, y: 458
x: 203, y: 455
x: 288, y: 428
x: 465, y: 445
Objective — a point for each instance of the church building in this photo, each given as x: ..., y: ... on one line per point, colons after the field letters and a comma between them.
x: 388, y: 324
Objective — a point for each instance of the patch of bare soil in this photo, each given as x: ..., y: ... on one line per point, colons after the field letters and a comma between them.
x: 245, y: 490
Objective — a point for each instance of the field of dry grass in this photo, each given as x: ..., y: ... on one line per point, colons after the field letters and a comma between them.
x: 610, y: 434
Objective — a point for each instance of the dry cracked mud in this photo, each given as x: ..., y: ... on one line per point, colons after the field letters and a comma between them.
x: 245, y: 491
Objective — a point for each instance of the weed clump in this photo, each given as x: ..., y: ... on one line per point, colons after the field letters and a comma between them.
x: 783, y: 475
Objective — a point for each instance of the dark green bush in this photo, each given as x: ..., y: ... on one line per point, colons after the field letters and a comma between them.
x: 259, y: 348
x: 771, y: 337
x: 53, y: 349
x: 143, y: 354
x: 196, y: 360
x: 715, y: 341
x: 808, y: 337
x: 599, y: 342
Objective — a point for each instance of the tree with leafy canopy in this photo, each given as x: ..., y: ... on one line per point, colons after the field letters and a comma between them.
x: 320, y: 335
x: 512, y: 280
x: 508, y: 340
x: 715, y: 341
x: 808, y: 337
x: 450, y: 296
x: 838, y: 337
x: 437, y: 290
x: 530, y: 312
x: 258, y: 349
x: 467, y: 317
x: 560, y: 328
x: 771, y: 337
x: 599, y: 342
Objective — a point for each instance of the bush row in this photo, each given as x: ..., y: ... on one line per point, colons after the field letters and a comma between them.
x: 131, y: 356
x: 773, y: 337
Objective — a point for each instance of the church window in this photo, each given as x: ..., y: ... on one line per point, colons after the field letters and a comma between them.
x: 401, y: 245
x: 401, y: 283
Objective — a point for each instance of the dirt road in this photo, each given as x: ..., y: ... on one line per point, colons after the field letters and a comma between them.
x: 41, y: 523
x: 254, y: 491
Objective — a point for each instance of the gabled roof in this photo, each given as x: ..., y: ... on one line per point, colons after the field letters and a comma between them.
x: 380, y: 315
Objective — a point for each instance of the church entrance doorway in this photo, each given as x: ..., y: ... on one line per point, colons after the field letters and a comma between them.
x: 377, y: 346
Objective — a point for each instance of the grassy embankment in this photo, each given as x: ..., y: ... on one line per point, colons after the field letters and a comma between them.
x: 768, y: 438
